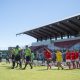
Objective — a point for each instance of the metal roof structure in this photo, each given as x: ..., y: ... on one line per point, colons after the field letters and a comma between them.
x: 67, y: 27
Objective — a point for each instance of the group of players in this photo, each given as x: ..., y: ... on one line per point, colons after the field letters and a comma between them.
x: 72, y: 58
x: 16, y: 56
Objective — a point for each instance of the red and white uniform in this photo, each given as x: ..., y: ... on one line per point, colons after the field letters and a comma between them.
x: 47, y: 55
x: 68, y: 57
x: 72, y: 56
x: 77, y: 56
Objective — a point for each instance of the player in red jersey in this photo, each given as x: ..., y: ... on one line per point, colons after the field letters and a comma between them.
x: 73, y: 59
x: 77, y: 59
x: 48, y: 57
x: 68, y: 59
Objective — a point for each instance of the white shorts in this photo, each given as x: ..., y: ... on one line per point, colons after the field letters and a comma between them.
x: 77, y: 60
x: 68, y: 60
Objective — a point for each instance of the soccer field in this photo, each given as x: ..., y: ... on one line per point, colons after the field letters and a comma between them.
x: 37, y: 73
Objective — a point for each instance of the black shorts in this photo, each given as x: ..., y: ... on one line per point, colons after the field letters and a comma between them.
x: 17, y: 57
x: 13, y: 56
x: 48, y: 61
x: 28, y: 58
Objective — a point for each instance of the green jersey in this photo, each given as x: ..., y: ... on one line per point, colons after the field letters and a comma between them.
x: 16, y: 51
x: 28, y: 52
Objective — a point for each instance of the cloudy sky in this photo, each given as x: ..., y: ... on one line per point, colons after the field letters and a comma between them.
x: 21, y: 15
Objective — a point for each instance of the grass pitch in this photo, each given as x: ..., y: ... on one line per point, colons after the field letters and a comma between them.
x: 37, y: 73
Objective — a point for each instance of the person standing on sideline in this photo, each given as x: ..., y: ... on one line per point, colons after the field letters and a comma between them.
x: 27, y: 53
x: 59, y: 59
x: 48, y: 57
x: 68, y: 59
x: 54, y: 57
x: 12, y: 57
x: 32, y: 57
x: 7, y: 58
x: 0, y: 56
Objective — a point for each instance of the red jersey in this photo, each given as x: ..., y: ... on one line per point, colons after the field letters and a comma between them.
x: 73, y: 55
x: 76, y: 55
x: 47, y: 54
x: 68, y: 55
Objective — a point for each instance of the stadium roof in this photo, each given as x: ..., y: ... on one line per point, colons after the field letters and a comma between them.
x: 66, y: 27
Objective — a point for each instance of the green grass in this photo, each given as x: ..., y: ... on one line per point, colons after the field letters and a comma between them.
x: 37, y: 73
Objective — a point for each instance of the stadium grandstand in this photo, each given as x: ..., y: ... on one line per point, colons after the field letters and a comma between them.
x: 64, y: 34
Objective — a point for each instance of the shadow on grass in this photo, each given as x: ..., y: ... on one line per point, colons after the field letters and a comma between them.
x: 46, y: 69
x: 42, y: 70
x: 55, y: 69
x: 8, y: 67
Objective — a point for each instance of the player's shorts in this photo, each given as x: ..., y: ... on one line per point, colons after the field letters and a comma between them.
x: 17, y: 57
x: 77, y: 60
x: 49, y: 61
x: 68, y: 60
x: 28, y: 58
x: 73, y: 60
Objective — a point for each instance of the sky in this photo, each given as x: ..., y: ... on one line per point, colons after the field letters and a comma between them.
x: 17, y: 16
